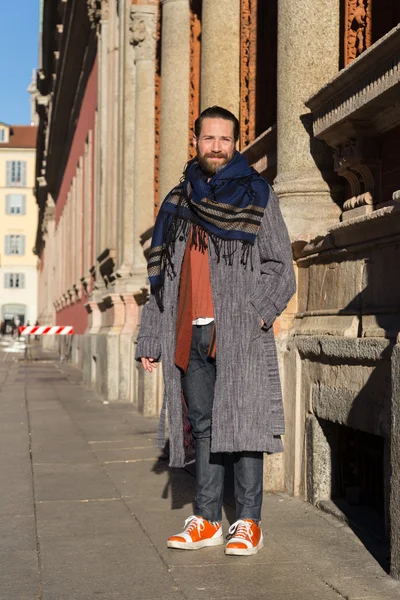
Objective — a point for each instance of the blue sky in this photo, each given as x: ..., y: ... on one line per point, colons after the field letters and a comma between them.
x: 19, y: 42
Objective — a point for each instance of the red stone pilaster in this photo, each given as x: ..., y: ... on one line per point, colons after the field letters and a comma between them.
x: 248, y: 67
x: 195, y: 53
x: 358, y: 28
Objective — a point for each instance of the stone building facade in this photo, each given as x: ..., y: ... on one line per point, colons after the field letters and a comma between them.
x: 18, y: 223
x: 315, y: 85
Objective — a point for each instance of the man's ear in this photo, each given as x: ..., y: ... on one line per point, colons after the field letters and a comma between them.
x: 237, y: 145
x: 194, y: 140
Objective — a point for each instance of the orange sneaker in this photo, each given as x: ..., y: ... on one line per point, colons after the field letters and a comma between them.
x: 197, y: 533
x: 245, y: 537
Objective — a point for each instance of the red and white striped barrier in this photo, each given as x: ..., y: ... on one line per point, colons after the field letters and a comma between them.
x: 43, y: 330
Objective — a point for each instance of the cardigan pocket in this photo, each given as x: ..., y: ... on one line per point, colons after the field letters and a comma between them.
x: 255, y: 323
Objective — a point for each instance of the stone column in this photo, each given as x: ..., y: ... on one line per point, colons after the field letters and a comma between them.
x: 143, y: 38
x: 308, y: 57
x: 220, y: 54
x: 175, y: 73
x: 127, y: 146
x: 101, y: 134
x: 122, y: 35
x: 113, y: 93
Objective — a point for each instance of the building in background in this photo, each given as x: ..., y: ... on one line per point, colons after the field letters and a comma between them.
x: 18, y: 224
x: 316, y: 87
x: 66, y: 101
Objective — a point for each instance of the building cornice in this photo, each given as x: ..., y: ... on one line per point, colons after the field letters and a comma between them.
x: 366, y: 92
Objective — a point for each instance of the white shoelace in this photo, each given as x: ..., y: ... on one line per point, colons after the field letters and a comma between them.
x: 240, y: 529
x: 192, y: 523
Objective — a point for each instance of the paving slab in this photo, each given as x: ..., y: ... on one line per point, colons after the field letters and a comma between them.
x: 60, y: 481
x: 87, y: 502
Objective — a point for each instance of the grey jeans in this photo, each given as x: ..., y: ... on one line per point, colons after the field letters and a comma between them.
x: 198, y: 385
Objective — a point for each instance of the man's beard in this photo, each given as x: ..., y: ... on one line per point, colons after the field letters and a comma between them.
x: 209, y: 167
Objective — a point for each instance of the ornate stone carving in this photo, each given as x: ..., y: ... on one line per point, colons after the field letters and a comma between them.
x: 49, y: 213
x: 98, y: 11
x: 344, y: 154
x: 94, y: 11
x: 360, y: 200
x: 357, y: 161
x: 143, y: 30
x: 248, y: 57
x: 358, y: 28
x: 105, y: 9
x: 194, y: 91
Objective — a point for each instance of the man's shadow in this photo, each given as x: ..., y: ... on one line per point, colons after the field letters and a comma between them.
x: 181, y: 484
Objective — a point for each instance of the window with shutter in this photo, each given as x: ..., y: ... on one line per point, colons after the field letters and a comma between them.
x: 23, y: 173
x: 16, y: 173
x: 14, y: 280
x: 15, y: 204
x: 15, y: 244
x: 8, y: 172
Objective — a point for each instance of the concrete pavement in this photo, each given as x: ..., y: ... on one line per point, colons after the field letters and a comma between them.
x: 87, y: 502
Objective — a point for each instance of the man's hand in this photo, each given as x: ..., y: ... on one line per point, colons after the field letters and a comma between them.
x: 148, y: 363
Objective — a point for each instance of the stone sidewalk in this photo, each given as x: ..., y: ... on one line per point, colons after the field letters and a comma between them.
x: 87, y: 502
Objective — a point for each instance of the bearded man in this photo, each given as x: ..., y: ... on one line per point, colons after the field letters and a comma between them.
x: 220, y: 270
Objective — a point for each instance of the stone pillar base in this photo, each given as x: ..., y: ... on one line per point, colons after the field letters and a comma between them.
x: 107, y: 347
x: 149, y: 390
x: 294, y: 419
x: 274, y: 473
x: 307, y: 208
x: 127, y: 366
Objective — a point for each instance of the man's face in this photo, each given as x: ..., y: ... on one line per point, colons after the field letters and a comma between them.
x: 215, y: 145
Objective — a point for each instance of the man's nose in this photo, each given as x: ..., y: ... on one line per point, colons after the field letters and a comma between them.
x: 216, y: 146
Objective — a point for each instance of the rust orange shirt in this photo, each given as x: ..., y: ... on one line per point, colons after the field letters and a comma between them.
x: 202, y: 305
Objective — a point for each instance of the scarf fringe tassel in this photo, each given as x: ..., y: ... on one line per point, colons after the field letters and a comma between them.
x: 223, y: 249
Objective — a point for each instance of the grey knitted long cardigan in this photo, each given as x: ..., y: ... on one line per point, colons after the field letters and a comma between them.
x: 247, y: 410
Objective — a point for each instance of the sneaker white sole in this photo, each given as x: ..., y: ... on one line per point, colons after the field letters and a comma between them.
x: 196, y: 545
x: 245, y: 551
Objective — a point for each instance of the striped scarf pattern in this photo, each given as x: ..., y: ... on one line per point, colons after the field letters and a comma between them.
x: 229, y: 208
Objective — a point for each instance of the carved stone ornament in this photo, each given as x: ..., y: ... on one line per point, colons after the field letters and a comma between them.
x: 105, y: 9
x: 358, y: 28
x: 143, y: 37
x: 365, y: 199
x: 358, y: 162
x: 94, y: 12
x: 345, y: 154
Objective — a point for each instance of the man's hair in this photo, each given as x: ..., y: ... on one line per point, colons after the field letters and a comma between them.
x: 217, y: 112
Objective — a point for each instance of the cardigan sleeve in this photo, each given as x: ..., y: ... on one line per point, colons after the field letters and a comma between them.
x: 148, y: 340
x: 276, y: 283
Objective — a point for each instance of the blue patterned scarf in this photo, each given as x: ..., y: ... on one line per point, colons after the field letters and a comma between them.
x: 228, y: 208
